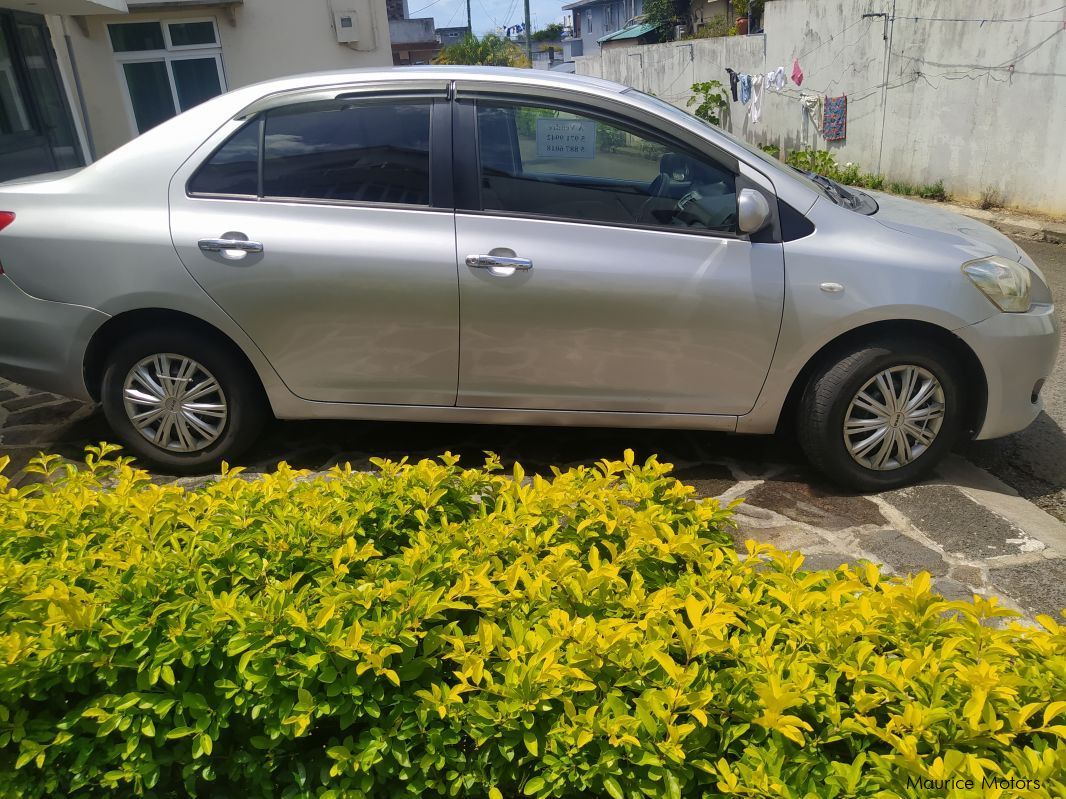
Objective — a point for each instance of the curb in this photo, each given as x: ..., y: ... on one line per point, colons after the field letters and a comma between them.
x: 1010, y: 223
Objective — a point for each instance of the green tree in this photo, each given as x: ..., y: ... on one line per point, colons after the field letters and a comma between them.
x: 490, y: 50
x: 551, y: 33
x: 666, y: 13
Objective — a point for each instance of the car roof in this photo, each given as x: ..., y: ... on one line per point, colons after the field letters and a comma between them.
x: 503, y: 75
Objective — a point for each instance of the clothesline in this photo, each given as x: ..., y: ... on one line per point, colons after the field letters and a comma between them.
x: 986, y: 21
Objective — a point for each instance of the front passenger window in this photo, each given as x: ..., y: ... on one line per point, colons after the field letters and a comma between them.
x: 553, y: 162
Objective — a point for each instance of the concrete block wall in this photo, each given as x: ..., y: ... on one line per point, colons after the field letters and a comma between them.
x: 977, y: 105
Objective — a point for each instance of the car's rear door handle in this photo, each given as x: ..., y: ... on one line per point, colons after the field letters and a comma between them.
x: 499, y: 265
x: 230, y: 245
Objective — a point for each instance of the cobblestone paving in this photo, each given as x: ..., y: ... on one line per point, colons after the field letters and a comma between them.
x: 972, y: 533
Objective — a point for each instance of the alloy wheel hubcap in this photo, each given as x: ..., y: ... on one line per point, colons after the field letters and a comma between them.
x: 894, y: 418
x: 175, y: 403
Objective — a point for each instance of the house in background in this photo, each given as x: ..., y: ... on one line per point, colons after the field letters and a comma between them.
x: 79, y: 78
x: 594, y: 19
x: 448, y: 36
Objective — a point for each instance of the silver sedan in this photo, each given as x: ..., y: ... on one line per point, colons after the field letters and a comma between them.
x: 507, y: 246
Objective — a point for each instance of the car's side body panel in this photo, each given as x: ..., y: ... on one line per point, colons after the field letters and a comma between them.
x: 97, y: 243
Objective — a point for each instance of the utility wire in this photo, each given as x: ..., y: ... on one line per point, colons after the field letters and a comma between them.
x: 989, y: 21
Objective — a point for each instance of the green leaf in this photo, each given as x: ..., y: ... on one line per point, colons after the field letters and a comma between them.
x: 529, y: 738
x: 179, y: 732
x: 614, y: 790
x: 533, y: 785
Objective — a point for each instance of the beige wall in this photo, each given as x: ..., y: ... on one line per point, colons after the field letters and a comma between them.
x: 271, y: 38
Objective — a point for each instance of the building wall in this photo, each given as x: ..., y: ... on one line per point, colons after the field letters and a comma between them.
x: 271, y: 38
x: 606, y: 18
x: 975, y: 105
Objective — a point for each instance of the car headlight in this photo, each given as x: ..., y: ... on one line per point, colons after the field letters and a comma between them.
x: 1006, y: 283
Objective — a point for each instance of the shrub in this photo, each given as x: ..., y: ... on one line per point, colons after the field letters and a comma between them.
x: 934, y: 191
x: 709, y: 97
x: 991, y: 197
x: 429, y: 630
x: 714, y: 28
x: 771, y: 150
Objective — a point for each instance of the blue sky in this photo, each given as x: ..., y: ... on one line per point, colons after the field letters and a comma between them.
x: 487, y: 14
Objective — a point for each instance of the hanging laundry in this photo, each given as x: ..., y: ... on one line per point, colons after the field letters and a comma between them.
x: 811, y: 106
x: 776, y: 80
x: 745, y: 88
x: 755, y: 111
x: 734, y: 78
x: 835, y: 118
x: 797, y: 72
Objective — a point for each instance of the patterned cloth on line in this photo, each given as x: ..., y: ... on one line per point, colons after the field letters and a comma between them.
x: 835, y: 118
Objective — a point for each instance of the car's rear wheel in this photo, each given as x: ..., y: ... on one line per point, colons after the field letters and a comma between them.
x: 180, y: 401
x: 882, y: 416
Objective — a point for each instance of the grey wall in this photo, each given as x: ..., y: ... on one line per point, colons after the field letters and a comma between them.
x: 620, y: 13
x: 975, y: 105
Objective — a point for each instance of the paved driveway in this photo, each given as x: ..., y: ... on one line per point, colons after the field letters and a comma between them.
x: 985, y: 530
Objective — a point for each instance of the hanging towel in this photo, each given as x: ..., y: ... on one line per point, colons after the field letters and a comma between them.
x: 755, y: 111
x: 776, y: 80
x: 797, y: 72
x: 745, y: 88
x: 811, y: 108
x: 734, y: 78
x: 811, y: 105
x: 835, y: 119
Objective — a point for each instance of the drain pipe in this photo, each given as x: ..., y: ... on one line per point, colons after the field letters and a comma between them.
x: 890, y: 24
x: 89, y: 144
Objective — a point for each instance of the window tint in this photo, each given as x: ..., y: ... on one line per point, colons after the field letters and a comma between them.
x: 553, y: 162
x: 129, y: 37
x: 347, y: 150
x: 234, y: 168
x: 192, y: 34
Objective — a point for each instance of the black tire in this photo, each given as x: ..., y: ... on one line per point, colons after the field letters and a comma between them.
x: 247, y: 409
x: 828, y: 396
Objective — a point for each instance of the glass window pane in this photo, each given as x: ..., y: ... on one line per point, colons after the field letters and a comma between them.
x: 14, y: 116
x: 234, y: 168
x: 131, y: 37
x: 149, y: 93
x: 343, y: 150
x: 51, y: 103
x: 196, y: 80
x: 188, y: 34
x: 553, y: 162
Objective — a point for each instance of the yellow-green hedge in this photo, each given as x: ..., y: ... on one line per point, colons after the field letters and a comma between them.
x: 434, y: 631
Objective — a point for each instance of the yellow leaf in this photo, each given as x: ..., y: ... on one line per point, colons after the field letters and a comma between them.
x: 1053, y: 710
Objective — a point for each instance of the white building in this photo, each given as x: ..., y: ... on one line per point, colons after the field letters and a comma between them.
x: 79, y: 78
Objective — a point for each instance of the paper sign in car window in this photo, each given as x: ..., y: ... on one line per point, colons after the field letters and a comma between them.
x: 566, y: 138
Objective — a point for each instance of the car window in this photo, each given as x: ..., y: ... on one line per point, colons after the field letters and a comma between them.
x: 562, y: 163
x: 376, y: 151
x: 234, y: 168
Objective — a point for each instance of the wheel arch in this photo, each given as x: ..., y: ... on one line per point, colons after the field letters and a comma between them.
x: 129, y: 323
x: 974, y: 402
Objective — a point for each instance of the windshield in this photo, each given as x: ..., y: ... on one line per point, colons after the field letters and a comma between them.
x: 851, y: 199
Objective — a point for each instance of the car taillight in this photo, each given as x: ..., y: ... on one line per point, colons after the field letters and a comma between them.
x: 6, y: 218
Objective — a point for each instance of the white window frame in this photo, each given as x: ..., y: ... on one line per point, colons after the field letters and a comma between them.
x: 169, y: 55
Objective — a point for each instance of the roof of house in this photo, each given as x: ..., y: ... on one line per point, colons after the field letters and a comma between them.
x: 633, y: 31
x: 585, y: 3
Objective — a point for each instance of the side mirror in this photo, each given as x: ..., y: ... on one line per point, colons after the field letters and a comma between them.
x: 753, y: 212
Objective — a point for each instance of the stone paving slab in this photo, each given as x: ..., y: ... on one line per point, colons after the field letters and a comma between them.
x: 969, y: 531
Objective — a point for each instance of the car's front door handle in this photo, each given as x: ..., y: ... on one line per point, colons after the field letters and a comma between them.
x: 230, y: 246
x: 499, y: 265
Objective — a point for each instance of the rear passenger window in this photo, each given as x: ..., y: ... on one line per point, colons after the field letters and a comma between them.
x: 234, y: 168
x: 376, y: 152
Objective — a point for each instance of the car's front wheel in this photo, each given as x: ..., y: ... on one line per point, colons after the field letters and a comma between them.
x: 882, y: 416
x: 180, y: 401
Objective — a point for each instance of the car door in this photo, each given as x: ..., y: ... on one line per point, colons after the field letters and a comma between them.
x: 600, y: 268
x: 321, y: 228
